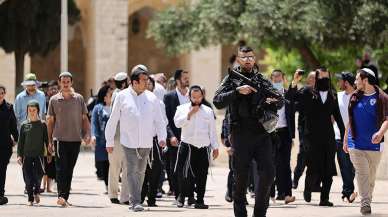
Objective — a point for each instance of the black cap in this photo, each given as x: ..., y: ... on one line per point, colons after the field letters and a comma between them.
x: 347, y: 76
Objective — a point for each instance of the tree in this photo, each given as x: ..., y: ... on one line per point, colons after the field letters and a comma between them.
x: 31, y: 27
x: 309, y: 26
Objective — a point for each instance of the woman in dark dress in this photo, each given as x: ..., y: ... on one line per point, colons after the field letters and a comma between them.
x: 319, y: 105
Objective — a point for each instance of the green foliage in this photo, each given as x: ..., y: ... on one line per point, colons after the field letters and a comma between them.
x: 333, y: 30
x: 280, y: 58
x: 32, y: 26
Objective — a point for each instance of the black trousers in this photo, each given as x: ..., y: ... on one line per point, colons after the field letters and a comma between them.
x: 312, y: 180
x: 66, y: 156
x: 301, y: 162
x: 5, y: 155
x: 192, y: 169
x: 103, y: 170
x: 251, y: 144
x: 33, y: 170
x: 170, y: 166
x: 152, y: 175
x: 283, y: 159
x: 230, y: 181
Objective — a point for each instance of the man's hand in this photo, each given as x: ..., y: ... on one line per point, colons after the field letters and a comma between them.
x: 51, y: 148
x: 270, y: 100
x: 20, y: 161
x: 377, y: 137
x: 297, y: 78
x: 229, y: 150
x: 345, y: 146
x: 162, y: 144
x: 109, y: 150
x: 174, y: 142
x: 93, y: 140
x: 193, y: 110
x: 87, y: 140
x: 246, y: 89
x: 215, y: 154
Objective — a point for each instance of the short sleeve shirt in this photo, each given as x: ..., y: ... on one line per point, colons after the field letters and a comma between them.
x: 67, y: 114
x: 365, y: 120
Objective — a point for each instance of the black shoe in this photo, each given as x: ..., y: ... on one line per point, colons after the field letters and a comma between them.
x: 201, y: 206
x: 126, y: 203
x: 280, y: 197
x: 326, y: 203
x: 152, y: 204
x: 307, y: 196
x: 228, y: 198
x: 191, y: 201
x: 114, y: 201
x: 3, y: 200
x: 180, y: 202
x: 159, y: 195
x: 295, y: 184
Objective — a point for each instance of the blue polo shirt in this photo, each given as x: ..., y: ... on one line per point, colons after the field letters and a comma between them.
x: 365, y: 121
x: 21, y: 102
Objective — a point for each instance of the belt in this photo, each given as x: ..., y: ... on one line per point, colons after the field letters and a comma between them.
x: 283, y: 129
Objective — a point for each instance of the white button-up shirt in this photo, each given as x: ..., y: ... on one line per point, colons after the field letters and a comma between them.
x: 200, y: 130
x: 183, y: 98
x: 139, y: 115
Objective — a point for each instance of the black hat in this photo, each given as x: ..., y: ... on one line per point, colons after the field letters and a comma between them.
x: 346, y: 76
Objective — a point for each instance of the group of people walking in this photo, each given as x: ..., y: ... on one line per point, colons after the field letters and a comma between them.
x: 141, y: 131
x: 350, y: 123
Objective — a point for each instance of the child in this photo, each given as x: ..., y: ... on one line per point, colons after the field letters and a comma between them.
x: 32, y: 147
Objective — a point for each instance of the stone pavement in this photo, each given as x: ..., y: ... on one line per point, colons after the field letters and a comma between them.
x: 89, y: 200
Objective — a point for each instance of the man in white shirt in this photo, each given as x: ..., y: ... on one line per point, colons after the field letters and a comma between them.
x: 138, y: 111
x: 172, y: 100
x: 198, y: 134
x: 285, y: 132
x: 346, y: 84
x: 117, y: 162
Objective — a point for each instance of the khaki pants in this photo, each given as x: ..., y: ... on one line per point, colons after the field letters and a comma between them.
x: 365, y: 164
x: 117, y: 164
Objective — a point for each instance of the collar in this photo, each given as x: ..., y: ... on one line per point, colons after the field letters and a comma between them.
x: 25, y: 93
x: 179, y: 92
x: 133, y: 92
x: 60, y: 95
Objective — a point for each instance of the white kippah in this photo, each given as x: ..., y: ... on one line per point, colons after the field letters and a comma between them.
x: 121, y: 76
x: 142, y: 67
x: 369, y: 71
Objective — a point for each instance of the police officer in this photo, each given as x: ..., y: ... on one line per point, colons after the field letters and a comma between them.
x: 250, y: 139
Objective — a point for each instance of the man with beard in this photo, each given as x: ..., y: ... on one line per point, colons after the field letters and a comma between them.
x: 250, y: 140
x: 318, y: 105
x: 198, y: 133
x: 346, y: 84
x: 172, y: 100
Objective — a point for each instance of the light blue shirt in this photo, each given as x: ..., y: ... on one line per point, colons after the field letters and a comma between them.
x: 21, y: 102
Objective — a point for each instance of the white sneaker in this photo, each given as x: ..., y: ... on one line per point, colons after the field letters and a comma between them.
x: 138, y: 208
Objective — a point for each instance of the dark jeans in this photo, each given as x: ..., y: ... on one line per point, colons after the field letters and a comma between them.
x: 300, y: 163
x: 283, y: 159
x: 152, y: 175
x: 33, y: 170
x: 192, y: 168
x: 250, y: 144
x: 170, y: 166
x: 103, y: 170
x: 5, y: 155
x: 347, y: 170
x: 66, y: 155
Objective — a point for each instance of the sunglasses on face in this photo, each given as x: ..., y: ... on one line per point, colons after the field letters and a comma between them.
x: 247, y: 58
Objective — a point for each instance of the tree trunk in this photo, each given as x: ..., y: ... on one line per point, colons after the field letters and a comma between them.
x: 19, y: 66
x: 308, y: 56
